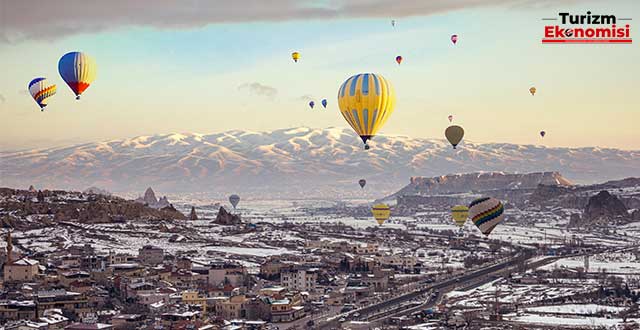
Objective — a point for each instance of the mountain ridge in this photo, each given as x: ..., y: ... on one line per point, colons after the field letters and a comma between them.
x: 293, y: 162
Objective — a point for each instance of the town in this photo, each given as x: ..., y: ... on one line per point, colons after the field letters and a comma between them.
x: 88, y: 260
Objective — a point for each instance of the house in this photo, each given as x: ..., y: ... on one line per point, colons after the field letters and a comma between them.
x: 21, y: 270
x: 300, y: 279
x: 127, y: 321
x: 258, y: 308
x: 69, y: 302
x: 221, y: 273
x: 17, y: 310
x: 193, y: 298
x: 284, y: 310
x: 272, y: 268
x: 233, y: 308
x: 150, y: 255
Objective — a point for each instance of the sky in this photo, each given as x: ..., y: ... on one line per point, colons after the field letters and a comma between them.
x: 212, y: 66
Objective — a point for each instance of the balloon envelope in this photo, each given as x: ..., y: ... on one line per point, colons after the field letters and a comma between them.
x: 295, y: 56
x: 454, y: 38
x: 78, y: 70
x: 234, y: 200
x: 486, y: 213
x: 311, y: 104
x: 532, y: 90
x: 41, y: 90
x: 454, y: 134
x: 324, y: 103
x: 460, y: 213
x: 381, y: 212
x: 399, y: 59
x: 362, y: 183
x: 366, y: 101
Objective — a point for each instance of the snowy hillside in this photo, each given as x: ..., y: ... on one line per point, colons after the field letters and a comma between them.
x: 300, y: 162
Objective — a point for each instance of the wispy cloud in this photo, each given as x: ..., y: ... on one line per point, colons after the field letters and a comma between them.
x: 259, y: 89
x: 37, y: 19
x: 305, y: 97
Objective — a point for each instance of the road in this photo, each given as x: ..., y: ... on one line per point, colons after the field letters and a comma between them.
x: 423, y: 288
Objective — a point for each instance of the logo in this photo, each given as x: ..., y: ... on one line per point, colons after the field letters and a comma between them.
x: 587, y: 29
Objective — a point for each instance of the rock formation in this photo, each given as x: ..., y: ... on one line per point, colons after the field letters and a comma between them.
x: 150, y: 200
x: 226, y: 218
x: 150, y: 197
x: 604, y: 207
x: 193, y: 215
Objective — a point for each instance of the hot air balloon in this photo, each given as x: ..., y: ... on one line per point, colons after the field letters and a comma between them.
x: 366, y: 101
x: 78, y: 70
x: 486, y: 213
x: 543, y: 133
x: 295, y: 56
x: 460, y: 214
x: 324, y: 103
x: 381, y: 213
x: 41, y: 90
x: 454, y: 38
x: 311, y: 104
x: 362, y: 183
x: 450, y: 118
x: 532, y: 90
x: 393, y: 22
x: 399, y: 59
x: 234, y: 200
x: 454, y: 134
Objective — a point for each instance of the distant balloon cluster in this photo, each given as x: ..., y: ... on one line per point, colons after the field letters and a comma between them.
x: 77, y: 69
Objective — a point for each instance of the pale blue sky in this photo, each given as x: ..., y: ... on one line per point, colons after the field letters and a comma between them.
x: 186, y: 79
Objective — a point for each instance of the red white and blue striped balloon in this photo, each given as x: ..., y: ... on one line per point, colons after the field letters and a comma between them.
x: 78, y: 70
x: 41, y: 90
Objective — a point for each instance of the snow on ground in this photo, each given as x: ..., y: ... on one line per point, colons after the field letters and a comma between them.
x: 584, y: 309
x: 557, y: 320
x: 621, y: 263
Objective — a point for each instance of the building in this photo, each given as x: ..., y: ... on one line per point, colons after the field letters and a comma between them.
x: 284, y: 310
x: 69, y: 302
x: 21, y: 270
x: 127, y: 321
x: 233, y: 308
x: 300, y: 279
x: 89, y: 326
x: 17, y: 310
x: 150, y: 255
x: 221, y: 273
x: 192, y: 298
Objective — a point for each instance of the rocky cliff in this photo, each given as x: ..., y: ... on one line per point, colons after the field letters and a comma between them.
x: 463, y: 183
x: 75, y: 206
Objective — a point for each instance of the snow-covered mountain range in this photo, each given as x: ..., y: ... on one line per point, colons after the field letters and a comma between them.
x: 298, y: 162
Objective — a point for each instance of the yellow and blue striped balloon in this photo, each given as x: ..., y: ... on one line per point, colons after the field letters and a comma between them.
x: 78, y: 70
x: 366, y: 101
